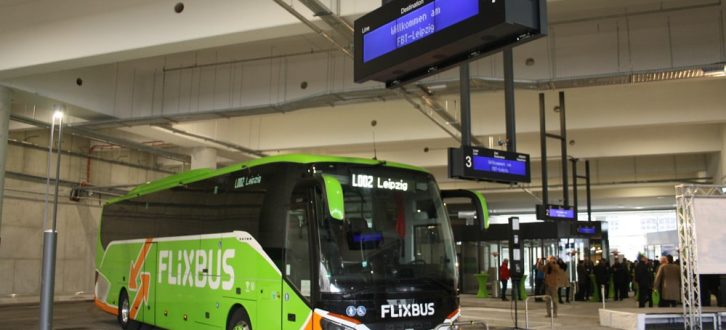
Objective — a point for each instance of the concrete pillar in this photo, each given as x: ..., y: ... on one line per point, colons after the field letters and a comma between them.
x: 721, y: 173
x: 4, y: 124
x: 204, y: 157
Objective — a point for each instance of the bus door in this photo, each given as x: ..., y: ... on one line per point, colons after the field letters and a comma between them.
x: 209, y: 277
x: 297, y: 270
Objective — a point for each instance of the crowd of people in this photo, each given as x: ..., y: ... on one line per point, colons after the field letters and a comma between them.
x: 644, y: 277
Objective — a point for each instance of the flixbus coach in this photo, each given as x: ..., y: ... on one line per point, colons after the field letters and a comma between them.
x: 284, y: 242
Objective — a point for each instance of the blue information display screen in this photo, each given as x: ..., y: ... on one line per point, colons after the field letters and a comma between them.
x: 488, y: 164
x: 554, y: 212
x: 419, y: 21
x: 500, y: 165
x: 587, y: 230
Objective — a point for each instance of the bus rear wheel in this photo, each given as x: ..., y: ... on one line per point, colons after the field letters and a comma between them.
x: 238, y: 320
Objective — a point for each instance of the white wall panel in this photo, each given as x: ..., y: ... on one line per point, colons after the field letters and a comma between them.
x: 649, y: 42
x: 586, y: 48
x: 696, y: 37
x: 313, y: 69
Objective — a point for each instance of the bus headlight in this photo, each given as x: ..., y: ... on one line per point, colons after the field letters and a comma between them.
x: 101, y: 288
x: 326, y: 324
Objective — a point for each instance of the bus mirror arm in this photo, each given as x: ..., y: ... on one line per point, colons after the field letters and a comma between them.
x: 333, y: 192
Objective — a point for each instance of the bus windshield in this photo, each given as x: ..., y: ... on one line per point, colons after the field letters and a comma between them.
x: 395, y: 236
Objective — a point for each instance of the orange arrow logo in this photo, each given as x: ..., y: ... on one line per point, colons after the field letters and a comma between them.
x: 142, y: 290
x: 141, y: 295
x: 136, y: 266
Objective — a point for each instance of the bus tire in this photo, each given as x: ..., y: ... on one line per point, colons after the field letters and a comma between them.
x: 238, y: 319
x: 124, y: 308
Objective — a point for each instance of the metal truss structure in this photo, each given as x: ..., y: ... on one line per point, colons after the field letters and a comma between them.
x: 690, y: 283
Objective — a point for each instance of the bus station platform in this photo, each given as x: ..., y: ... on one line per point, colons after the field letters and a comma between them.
x: 658, y: 318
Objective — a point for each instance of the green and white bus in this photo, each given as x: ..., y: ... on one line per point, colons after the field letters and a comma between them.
x: 283, y: 242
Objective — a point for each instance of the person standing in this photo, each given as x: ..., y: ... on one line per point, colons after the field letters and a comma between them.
x: 589, y: 269
x: 504, y: 277
x: 644, y: 280
x: 619, y: 279
x: 668, y: 283
x: 602, y: 275
x: 552, y: 279
x: 583, y: 278
x: 538, y: 278
x: 564, y: 282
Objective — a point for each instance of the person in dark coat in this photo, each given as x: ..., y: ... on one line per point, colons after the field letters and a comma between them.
x: 504, y: 277
x: 619, y: 279
x: 565, y: 282
x: 628, y: 265
x: 590, y: 269
x: 644, y: 279
x: 583, y: 280
x: 602, y: 275
x: 538, y: 278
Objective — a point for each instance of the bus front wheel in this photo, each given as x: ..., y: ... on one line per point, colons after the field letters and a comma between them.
x: 123, y: 310
x: 238, y: 320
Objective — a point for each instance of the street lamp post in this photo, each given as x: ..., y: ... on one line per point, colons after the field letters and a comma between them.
x: 50, y: 236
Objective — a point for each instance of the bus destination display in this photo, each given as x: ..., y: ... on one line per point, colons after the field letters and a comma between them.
x: 488, y: 165
x: 405, y: 40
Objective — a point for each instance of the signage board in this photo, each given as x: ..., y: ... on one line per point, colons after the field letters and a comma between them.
x: 488, y: 165
x: 405, y: 40
x: 556, y: 212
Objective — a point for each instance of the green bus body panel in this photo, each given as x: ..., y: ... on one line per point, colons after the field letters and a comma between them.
x: 201, y: 174
x: 238, y: 272
x: 484, y: 208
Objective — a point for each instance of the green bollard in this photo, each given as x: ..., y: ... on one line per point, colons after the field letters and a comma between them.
x: 482, y: 280
x: 595, y: 289
x: 522, y: 291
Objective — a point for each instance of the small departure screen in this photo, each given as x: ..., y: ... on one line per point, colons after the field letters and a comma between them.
x: 561, y: 213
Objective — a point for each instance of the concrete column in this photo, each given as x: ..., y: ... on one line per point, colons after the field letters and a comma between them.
x: 721, y: 173
x: 204, y: 157
x: 4, y: 123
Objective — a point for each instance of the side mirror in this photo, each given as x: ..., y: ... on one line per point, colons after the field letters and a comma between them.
x: 333, y: 192
x: 473, y: 207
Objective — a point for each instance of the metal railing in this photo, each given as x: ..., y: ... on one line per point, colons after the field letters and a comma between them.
x: 469, y: 323
x: 551, y: 313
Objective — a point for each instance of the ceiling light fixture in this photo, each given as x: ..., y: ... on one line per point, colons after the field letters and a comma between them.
x: 436, y: 87
x: 714, y: 70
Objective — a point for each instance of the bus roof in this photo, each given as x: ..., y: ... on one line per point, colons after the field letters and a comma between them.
x: 205, y: 173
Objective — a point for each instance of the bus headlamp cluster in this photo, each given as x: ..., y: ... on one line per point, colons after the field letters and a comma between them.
x: 326, y: 324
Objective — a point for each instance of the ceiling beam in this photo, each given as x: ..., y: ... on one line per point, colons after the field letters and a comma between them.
x: 94, y: 135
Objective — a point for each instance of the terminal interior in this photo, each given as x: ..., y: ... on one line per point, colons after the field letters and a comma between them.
x: 154, y: 88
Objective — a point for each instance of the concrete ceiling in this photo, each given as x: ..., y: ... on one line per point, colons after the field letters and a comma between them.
x: 221, y: 72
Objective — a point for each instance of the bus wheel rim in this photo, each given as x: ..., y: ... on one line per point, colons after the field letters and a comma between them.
x: 125, y: 311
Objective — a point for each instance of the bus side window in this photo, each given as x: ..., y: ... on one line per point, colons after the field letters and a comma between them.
x: 297, y: 240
